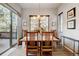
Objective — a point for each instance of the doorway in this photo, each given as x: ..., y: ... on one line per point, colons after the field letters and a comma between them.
x: 60, y: 25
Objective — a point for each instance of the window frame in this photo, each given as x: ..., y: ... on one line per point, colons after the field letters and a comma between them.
x: 38, y: 22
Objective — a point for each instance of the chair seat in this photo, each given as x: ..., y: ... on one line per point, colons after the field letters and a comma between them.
x: 33, y: 50
x: 46, y: 46
x: 32, y: 46
x: 46, y: 49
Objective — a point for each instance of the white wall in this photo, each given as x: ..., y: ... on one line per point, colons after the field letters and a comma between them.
x: 73, y: 33
x: 28, y: 12
x: 16, y: 7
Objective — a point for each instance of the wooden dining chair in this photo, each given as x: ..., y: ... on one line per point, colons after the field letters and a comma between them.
x: 46, y: 43
x: 56, y: 39
x: 32, y: 44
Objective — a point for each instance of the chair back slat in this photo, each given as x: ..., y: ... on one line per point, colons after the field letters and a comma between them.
x: 33, y: 35
x: 47, y: 38
x: 33, y: 39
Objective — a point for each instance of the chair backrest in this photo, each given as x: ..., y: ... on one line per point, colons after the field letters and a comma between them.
x: 55, y: 34
x: 47, y: 38
x: 33, y: 36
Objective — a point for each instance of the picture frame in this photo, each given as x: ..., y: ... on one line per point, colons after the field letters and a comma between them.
x: 71, y: 13
x: 71, y: 24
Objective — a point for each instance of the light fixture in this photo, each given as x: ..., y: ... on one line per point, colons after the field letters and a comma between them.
x: 38, y: 16
x: 34, y: 17
x: 43, y: 17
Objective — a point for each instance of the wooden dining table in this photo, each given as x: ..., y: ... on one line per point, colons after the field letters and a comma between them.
x: 40, y: 38
x: 24, y: 43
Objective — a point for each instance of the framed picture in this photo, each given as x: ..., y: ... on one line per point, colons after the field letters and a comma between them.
x: 71, y: 13
x: 71, y: 24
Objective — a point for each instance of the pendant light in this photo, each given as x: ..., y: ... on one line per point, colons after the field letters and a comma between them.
x: 38, y: 16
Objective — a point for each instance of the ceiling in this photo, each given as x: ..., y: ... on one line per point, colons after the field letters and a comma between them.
x: 37, y: 5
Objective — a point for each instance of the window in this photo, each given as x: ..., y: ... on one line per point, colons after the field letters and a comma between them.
x: 4, y: 19
x: 14, y: 22
x: 14, y: 28
x: 5, y: 22
x: 44, y: 23
x: 34, y: 23
x: 8, y: 28
x: 37, y: 24
x: 60, y: 24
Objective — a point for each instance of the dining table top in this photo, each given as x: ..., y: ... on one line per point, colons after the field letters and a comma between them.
x: 40, y: 40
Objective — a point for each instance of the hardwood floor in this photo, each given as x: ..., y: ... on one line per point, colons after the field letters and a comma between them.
x: 19, y: 51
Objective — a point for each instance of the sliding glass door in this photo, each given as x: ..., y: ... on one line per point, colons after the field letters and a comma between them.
x: 5, y: 22
x: 8, y: 29
x: 14, y: 28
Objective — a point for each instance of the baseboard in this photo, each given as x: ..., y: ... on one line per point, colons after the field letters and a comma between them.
x: 68, y: 50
